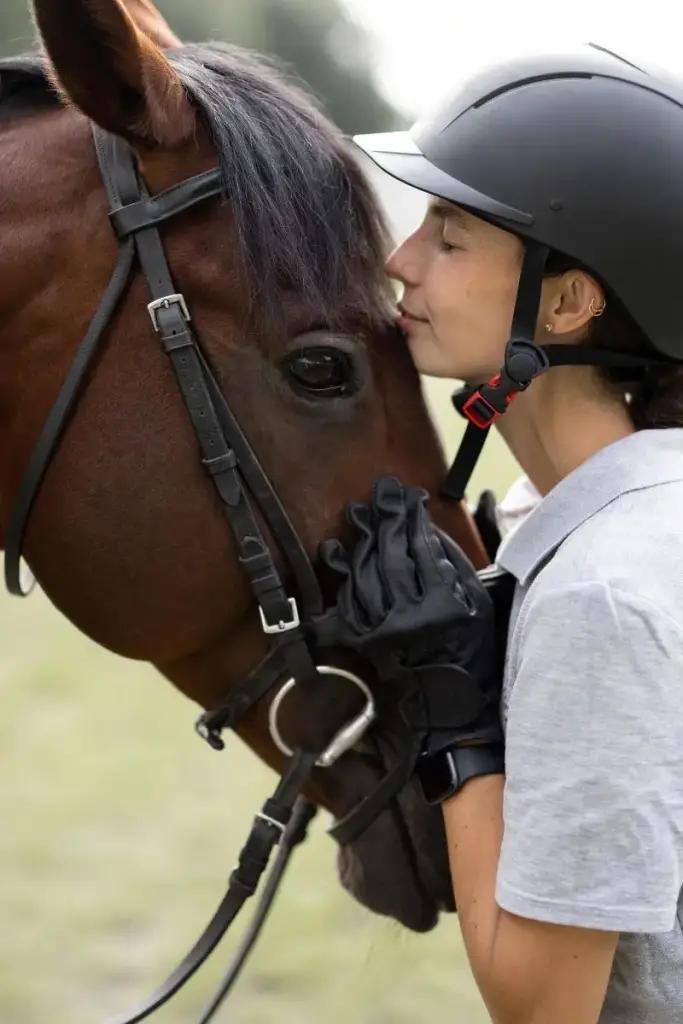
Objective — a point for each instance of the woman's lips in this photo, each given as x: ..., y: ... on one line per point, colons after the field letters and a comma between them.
x: 406, y: 320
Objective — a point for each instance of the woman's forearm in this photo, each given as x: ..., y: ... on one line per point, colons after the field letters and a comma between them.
x: 528, y: 972
x: 474, y: 831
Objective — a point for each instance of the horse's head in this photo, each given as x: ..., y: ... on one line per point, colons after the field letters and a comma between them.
x: 283, y: 277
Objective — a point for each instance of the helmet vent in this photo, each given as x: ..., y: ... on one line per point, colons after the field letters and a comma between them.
x: 509, y: 86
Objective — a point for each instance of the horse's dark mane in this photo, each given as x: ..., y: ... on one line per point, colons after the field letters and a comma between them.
x: 307, y: 219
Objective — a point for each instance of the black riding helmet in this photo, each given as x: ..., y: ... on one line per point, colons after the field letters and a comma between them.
x: 581, y: 153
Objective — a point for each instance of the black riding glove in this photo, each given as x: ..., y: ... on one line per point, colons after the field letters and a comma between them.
x: 411, y: 602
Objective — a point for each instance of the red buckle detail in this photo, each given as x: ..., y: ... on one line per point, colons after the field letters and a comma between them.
x: 485, y: 413
x: 484, y: 416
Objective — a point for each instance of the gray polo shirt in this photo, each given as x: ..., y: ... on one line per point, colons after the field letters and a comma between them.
x: 593, y: 712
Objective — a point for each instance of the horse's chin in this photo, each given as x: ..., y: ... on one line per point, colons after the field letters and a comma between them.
x: 377, y: 871
x: 399, y: 866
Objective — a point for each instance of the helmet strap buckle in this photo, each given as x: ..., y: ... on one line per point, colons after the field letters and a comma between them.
x: 484, y: 404
x: 523, y: 361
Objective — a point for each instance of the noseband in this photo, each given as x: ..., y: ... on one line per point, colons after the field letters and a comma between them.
x: 291, y: 623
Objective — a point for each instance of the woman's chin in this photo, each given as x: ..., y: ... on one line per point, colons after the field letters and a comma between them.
x: 430, y: 362
x: 432, y: 359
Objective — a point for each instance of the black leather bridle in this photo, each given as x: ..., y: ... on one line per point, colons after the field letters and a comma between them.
x: 295, y: 625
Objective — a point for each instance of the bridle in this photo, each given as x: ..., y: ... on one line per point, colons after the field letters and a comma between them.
x: 295, y: 625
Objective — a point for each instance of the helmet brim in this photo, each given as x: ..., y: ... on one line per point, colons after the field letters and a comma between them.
x: 398, y: 154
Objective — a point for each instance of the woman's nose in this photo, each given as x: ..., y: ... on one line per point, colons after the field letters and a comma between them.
x: 403, y: 264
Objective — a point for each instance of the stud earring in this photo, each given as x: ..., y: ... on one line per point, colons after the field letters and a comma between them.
x: 549, y: 327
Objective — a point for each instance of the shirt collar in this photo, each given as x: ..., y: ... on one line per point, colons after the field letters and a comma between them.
x: 643, y: 459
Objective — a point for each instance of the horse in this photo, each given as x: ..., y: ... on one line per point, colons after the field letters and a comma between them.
x: 272, y: 265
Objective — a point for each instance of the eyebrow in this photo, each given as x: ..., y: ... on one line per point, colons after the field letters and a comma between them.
x: 441, y: 208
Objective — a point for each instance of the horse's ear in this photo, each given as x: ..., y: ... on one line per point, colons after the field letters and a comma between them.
x: 151, y: 21
x: 113, y: 72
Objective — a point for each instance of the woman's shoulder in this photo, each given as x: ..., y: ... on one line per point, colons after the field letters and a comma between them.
x: 613, y: 630
x: 632, y: 547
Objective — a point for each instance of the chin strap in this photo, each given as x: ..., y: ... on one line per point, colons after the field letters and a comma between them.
x: 483, y: 404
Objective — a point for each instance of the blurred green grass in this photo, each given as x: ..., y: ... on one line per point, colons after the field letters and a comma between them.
x: 119, y: 828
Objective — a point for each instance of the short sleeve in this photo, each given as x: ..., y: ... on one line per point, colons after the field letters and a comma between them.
x: 593, y: 799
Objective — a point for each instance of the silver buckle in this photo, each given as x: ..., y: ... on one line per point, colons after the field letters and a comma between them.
x: 347, y: 736
x: 272, y: 821
x: 283, y: 626
x: 165, y: 303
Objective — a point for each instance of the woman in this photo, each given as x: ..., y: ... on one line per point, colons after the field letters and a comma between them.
x: 557, y: 207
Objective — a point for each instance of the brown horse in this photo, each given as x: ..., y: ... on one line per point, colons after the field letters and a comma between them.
x: 289, y: 301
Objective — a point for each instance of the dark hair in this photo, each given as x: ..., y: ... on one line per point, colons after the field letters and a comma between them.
x: 307, y: 218
x: 654, y: 395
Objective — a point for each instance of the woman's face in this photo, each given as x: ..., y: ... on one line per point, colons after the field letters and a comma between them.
x: 460, y: 278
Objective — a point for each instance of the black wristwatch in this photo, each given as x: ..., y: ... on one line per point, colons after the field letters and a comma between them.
x: 443, y: 775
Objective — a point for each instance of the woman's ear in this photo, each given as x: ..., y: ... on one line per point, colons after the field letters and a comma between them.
x: 116, y: 75
x: 569, y: 302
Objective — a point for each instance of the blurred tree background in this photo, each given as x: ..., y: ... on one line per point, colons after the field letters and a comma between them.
x: 316, y: 38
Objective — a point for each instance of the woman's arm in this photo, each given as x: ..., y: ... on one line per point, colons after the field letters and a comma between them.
x: 527, y: 972
x: 580, y: 841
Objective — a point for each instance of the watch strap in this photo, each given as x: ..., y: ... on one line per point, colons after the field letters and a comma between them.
x: 457, y: 766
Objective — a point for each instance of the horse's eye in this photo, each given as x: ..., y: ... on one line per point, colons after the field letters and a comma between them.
x: 322, y: 371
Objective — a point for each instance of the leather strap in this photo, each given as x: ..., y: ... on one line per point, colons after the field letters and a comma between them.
x: 155, y: 210
x: 223, y: 464
x: 268, y: 829
x: 380, y: 799
x: 57, y: 420
x: 296, y: 833
x: 267, y: 674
